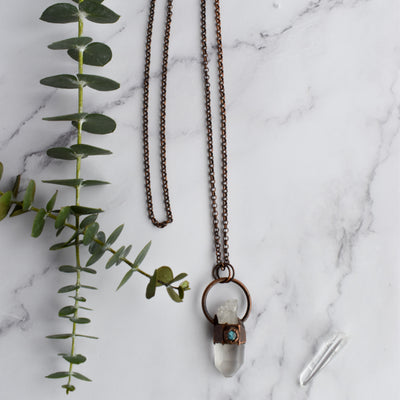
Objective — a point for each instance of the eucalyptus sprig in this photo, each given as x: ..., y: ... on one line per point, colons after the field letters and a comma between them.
x: 86, y: 232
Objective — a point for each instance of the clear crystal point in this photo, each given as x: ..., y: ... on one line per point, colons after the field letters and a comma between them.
x: 228, y: 358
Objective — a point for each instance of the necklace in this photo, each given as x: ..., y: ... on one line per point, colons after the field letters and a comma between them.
x: 229, y: 331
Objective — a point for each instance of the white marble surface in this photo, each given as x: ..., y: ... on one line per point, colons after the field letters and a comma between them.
x: 313, y: 95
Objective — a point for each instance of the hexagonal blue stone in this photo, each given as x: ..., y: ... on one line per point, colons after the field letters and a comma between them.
x: 231, y: 335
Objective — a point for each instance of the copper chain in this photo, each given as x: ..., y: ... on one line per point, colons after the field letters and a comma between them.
x: 221, y: 248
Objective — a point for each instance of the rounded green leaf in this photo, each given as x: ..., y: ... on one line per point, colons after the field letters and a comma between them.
x: 164, y: 275
x: 58, y: 375
x: 66, y: 311
x: 5, y: 204
x: 96, y: 12
x: 97, y: 54
x: 75, y: 359
x: 52, y: 202
x: 71, y: 43
x: 61, y: 153
x: 79, y: 210
x: 98, y: 124
x: 68, y: 288
x: 62, y: 81
x: 80, y: 320
x: 62, y: 217
x: 85, y: 150
x: 87, y: 221
x: 67, y: 269
x: 61, y: 13
x: 38, y: 223
x: 174, y: 296
x: 151, y: 287
x: 90, y: 233
x: 29, y: 195
x: 97, y: 82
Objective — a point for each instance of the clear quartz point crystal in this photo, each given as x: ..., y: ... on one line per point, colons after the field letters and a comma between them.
x: 228, y: 358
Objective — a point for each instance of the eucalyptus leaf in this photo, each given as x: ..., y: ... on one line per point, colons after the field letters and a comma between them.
x: 97, y: 82
x: 62, y: 81
x: 1, y: 169
x: 15, y: 188
x: 95, y: 257
x: 98, y: 124
x: 65, y: 182
x: 85, y: 150
x: 89, y: 287
x: 90, y: 233
x: 88, y: 220
x: 178, y: 278
x: 29, y: 195
x: 61, y: 153
x: 38, y: 223
x: 115, y: 257
x: 152, y: 285
x: 61, y: 13
x: 63, y: 245
x: 17, y: 211
x: 96, y: 12
x: 5, y: 204
x: 75, y: 359
x: 114, y: 235
x: 51, y: 203
x: 78, y: 298
x: 60, y: 336
x: 79, y: 210
x: 69, y: 388
x: 97, y: 54
x: 89, y: 270
x: 174, y: 296
x: 67, y: 117
x: 92, y: 182
x: 71, y: 43
x: 80, y: 320
x: 142, y: 255
x: 126, y: 277
x: 87, y: 336
x: 97, y: 1
x: 127, y: 251
x: 66, y: 311
x: 58, y: 375
x: 67, y: 268
x: 77, y: 375
x: 164, y: 275
x: 62, y: 217
x: 69, y: 288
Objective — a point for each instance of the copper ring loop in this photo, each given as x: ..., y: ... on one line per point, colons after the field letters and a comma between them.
x: 223, y: 280
x: 222, y: 267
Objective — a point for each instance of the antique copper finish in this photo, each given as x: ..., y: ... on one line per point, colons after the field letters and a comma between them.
x: 223, y: 280
x: 221, y: 332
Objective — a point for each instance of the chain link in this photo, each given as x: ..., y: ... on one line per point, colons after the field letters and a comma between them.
x: 219, y: 229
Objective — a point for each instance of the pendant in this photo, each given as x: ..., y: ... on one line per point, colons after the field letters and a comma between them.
x: 229, y: 330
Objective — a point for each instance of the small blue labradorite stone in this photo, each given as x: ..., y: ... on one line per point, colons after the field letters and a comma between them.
x: 232, y: 335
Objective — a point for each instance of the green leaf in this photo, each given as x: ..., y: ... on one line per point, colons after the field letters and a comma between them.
x: 86, y: 336
x: 60, y: 336
x: 115, y: 257
x: 79, y: 210
x: 178, y: 278
x: 127, y: 251
x: 62, y: 217
x: 38, y: 223
x: 63, y: 245
x: 90, y: 233
x: 17, y: 211
x: 80, y: 320
x: 5, y: 204
x: 126, y: 278
x: 61, y: 153
x: 29, y: 195
x: 91, y: 182
x: 78, y: 298
x: 164, y: 275
x: 89, y: 270
x: 98, y: 124
x: 1, y: 169
x: 89, y: 287
x: 72, y: 43
x: 185, y: 285
x: 97, y: 1
x: 142, y: 255
x: 174, y: 296
x: 77, y: 375
x: 62, y: 81
x: 96, y: 12
x: 67, y: 269
x: 67, y: 117
x: 61, y: 13
x: 88, y: 221
x: 58, y: 375
x: 97, y: 82
x: 52, y: 202
x: 15, y: 189
x: 151, y: 287
x: 97, y: 54
x: 114, y: 235
x: 75, y: 359
x: 95, y: 257
x: 69, y: 388
x: 65, y: 182
x: 66, y: 311
x: 69, y: 288
x: 85, y: 150
x: 181, y: 293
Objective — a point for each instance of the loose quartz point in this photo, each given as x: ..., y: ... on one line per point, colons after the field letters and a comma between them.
x: 228, y: 357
